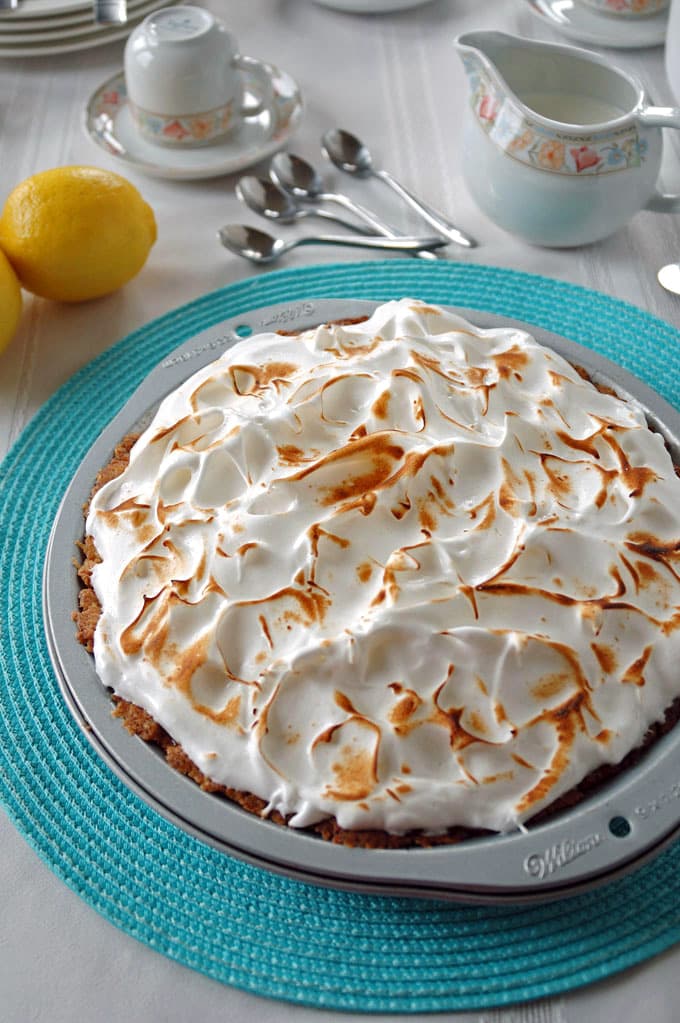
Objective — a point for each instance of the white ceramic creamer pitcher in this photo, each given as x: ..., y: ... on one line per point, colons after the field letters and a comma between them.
x: 560, y: 146
x: 672, y: 53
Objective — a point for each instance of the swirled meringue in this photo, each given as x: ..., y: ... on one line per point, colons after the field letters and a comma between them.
x: 405, y: 573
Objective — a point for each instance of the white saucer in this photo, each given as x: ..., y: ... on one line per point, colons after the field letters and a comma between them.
x: 11, y: 26
x: 37, y: 8
x: 82, y: 35
x: 109, y: 123
x: 63, y: 34
x: 588, y: 26
x: 100, y: 37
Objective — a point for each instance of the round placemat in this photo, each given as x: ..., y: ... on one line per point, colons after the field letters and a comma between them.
x: 237, y: 923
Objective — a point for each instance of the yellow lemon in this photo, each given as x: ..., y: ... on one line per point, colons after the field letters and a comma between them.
x: 75, y: 233
x: 10, y: 302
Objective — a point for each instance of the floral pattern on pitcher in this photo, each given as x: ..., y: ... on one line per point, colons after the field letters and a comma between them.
x: 554, y: 150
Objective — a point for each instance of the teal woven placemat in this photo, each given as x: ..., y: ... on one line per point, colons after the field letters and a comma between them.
x: 234, y: 922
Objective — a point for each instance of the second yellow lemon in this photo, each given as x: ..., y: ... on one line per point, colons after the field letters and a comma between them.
x: 10, y: 302
x: 75, y: 233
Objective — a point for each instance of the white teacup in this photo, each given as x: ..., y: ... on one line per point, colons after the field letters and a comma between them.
x: 185, y: 78
x: 627, y: 8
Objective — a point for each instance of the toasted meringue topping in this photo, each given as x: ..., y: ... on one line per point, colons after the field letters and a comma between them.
x: 406, y: 573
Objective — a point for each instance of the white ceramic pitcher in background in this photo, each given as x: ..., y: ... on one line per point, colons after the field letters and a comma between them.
x: 560, y: 146
x: 673, y: 49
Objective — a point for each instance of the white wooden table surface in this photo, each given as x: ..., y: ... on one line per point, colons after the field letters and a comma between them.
x: 396, y: 81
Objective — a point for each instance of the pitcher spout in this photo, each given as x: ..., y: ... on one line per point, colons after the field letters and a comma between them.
x: 480, y: 52
x: 483, y: 47
x: 548, y: 81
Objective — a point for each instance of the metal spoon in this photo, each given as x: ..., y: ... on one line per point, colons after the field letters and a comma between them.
x: 669, y: 277
x: 260, y: 247
x: 350, y: 154
x: 269, y: 200
x: 298, y: 177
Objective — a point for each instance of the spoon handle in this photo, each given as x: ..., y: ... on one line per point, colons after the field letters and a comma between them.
x: 369, y: 218
x: 435, y: 219
x: 327, y: 215
x: 403, y: 243
x: 359, y: 211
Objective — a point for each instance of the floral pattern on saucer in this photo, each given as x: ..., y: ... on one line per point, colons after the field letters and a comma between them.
x: 557, y: 151
x: 191, y: 129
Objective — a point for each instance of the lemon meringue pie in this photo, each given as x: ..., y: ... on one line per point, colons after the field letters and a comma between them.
x: 403, y: 573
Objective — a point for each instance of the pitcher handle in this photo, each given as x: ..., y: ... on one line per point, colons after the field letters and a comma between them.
x: 661, y: 117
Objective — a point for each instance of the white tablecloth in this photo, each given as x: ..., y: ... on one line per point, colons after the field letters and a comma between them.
x: 396, y: 81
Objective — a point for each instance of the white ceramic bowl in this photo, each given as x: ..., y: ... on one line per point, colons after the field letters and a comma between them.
x: 371, y: 6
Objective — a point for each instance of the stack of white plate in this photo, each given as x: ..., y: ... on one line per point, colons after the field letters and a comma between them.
x: 42, y: 27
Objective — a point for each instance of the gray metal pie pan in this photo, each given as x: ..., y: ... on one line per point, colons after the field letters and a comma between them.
x: 573, y: 851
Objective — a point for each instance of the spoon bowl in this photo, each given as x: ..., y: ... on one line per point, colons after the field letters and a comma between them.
x: 267, y: 199
x: 296, y: 176
x: 347, y: 152
x: 669, y: 278
x: 251, y: 243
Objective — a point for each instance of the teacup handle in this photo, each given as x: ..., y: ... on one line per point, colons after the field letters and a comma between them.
x: 256, y: 69
x: 661, y: 117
